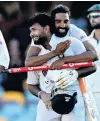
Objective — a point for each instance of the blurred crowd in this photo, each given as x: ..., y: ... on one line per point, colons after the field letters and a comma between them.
x: 16, y: 102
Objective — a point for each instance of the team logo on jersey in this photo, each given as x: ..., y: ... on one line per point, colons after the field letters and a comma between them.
x: 44, y: 72
x: 48, y: 83
x: 82, y: 37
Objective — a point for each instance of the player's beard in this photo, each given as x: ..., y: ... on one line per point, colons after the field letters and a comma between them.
x: 60, y: 34
x: 41, y: 41
x: 96, y: 26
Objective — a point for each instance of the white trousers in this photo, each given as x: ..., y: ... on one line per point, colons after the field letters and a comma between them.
x: 78, y: 113
x: 93, y: 81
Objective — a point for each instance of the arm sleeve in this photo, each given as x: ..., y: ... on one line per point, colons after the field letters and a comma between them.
x: 4, y: 55
x: 77, y: 46
x: 79, y: 34
x: 32, y: 78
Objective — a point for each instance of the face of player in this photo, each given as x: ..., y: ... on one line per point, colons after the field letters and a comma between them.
x: 94, y: 19
x: 38, y: 34
x: 61, y: 24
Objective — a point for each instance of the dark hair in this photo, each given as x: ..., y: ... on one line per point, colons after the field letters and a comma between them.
x: 59, y: 9
x: 42, y: 18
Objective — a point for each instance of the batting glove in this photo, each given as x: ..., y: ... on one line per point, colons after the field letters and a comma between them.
x: 66, y: 79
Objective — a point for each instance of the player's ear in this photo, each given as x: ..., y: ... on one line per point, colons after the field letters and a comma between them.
x: 47, y: 29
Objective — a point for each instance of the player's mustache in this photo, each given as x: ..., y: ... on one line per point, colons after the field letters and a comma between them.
x: 62, y: 28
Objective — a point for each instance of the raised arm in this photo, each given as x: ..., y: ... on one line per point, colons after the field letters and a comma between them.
x: 81, y: 53
x: 34, y: 59
x: 89, y: 55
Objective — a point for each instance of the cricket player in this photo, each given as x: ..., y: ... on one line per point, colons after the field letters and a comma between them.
x: 45, y: 53
x: 4, y: 56
x: 4, y: 60
x: 93, y: 15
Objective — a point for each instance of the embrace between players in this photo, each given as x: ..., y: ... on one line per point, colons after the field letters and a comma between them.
x: 55, y: 42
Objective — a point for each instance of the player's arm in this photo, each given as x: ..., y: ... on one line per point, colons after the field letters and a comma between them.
x: 90, y: 50
x: 89, y: 55
x: 78, y: 48
x: 33, y: 82
x: 34, y: 89
x: 34, y: 59
x: 33, y: 86
x: 83, y: 72
x: 45, y: 97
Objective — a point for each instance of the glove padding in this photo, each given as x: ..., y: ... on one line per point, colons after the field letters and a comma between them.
x: 66, y: 78
x: 63, y: 103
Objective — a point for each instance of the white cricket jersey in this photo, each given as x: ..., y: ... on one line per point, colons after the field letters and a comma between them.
x: 95, y: 43
x: 4, y: 56
x: 76, y: 32
x: 94, y: 79
x: 73, y: 31
x: 46, y: 83
x: 33, y: 76
x: 76, y: 47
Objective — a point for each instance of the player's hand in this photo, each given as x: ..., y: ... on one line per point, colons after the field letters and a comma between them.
x: 57, y: 64
x: 66, y: 79
x: 62, y: 47
x: 45, y: 97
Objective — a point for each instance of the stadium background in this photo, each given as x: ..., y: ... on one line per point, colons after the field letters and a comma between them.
x: 16, y: 102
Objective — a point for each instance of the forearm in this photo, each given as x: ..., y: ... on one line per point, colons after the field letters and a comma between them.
x: 34, y: 89
x: 83, y: 72
x: 39, y: 60
x: 84, y: 57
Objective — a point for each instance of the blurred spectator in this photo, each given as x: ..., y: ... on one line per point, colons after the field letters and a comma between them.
x: 31, y: 102
x: 3, y: 18
x: 40, y: 6
x: 81, y: 23
x: 18, y: 41
x: 77, y: 16
x: 78, y: 10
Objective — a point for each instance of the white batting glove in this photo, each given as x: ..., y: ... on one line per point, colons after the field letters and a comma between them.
x: 66, y: 78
